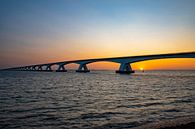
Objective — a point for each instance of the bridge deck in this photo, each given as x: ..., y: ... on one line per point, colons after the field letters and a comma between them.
x: 112, y: 58
x: 126, y: 59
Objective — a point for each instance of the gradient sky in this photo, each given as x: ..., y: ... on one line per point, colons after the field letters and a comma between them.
x: 41, y: 31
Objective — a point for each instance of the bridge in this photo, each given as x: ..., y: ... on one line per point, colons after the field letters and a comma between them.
x: 125, y: 63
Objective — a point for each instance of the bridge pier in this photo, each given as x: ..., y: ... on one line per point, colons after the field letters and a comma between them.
x: 33, y: 68
x: 83, y: 68
x: 39, y: 68
x: 28, y: 68
x: 48, y: 68
x: 61, y: 68
x: 125, y: 68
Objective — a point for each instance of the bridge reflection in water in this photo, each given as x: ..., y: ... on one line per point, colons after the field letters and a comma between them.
x: 125, y: 63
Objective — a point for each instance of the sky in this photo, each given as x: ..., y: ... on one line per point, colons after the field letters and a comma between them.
x: 42, y: 31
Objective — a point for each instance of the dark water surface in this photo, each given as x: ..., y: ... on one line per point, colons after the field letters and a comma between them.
x: 100, y: 99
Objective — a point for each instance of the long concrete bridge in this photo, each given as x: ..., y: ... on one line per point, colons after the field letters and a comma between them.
x: 125, y: 62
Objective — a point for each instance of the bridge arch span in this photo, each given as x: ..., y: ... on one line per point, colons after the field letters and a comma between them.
x: 83, y: 65
x: 103, y: 65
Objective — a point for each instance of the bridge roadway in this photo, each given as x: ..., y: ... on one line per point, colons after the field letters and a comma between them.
x: 125, y: 63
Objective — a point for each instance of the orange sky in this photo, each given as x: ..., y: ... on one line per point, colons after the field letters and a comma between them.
x: 33, y: 34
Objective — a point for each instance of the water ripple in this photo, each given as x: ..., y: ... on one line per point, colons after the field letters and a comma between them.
x: 97, y: 100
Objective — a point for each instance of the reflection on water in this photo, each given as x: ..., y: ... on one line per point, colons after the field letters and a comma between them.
x: 100, y: 99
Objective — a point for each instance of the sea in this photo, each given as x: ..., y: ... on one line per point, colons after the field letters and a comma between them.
x: 95, y: 100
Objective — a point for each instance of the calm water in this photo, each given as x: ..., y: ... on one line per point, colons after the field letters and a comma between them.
x: 100, y: 99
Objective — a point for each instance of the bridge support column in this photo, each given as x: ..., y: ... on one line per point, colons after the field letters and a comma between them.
x: 25, y: 68
x: 83, y: 68
x: 48, y: 68
x: 33, y: 68
x: 40, y: 68
x: 125, y: 68
x: 61, y: 68
x: 28, y: 68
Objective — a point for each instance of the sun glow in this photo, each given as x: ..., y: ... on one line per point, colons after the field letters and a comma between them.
x: 141, y: 68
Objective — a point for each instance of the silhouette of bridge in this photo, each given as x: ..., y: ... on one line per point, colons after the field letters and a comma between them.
x: 125, y: 63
